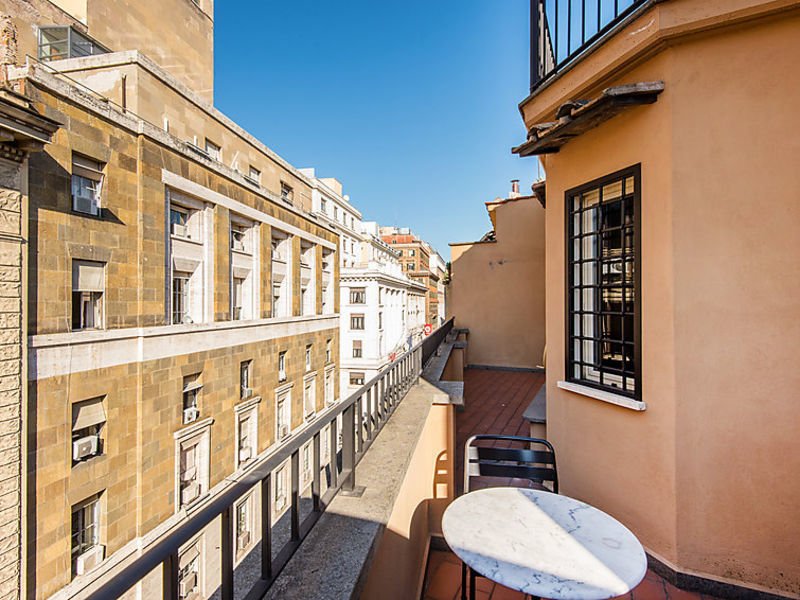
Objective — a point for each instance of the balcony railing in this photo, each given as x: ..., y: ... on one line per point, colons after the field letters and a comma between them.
x: 563, y: 30
x: 363, y: 415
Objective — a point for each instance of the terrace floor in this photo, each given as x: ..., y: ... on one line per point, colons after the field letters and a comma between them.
x: 495, y: 401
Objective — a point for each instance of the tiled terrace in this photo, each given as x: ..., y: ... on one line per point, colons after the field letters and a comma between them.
x: 495, y: 401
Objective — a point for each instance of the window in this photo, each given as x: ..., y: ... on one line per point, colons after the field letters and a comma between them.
x: 603, y: 346
x: 281, y: 484
x: 328, y: 386
x: 323, y: 206
x: 287, y: 193
x: 213, y: 150
x: 305, y: 465
x: 87, y: 184
x: 191, y: 389
x: 282, y: 366
x: 179, y: 221
x: 189, y: 572
x: 327, y: 351
x: 238, y: 293
x: 88, y: 419
x: 180, y: 298
x: 254, y: 175
x: 412, y: 252
x: 380, y: 320
x: 409, y: 266
x: 189, y: 472
x: 244, y: 379
x: 282, y: 414
x: 65, y: 42
x: 309, y: 397
x: 245, y: 446
x: 357, y: 322
x: 88, y: 285
x: 308, y: 357
x: 276, y: 300
x: 357, y: 349
x: 336, y: 213
x: 85, y: 537
x: 239, y: 237
x: 243, y: 527
x: 358, y: 296
x: 356, y: 378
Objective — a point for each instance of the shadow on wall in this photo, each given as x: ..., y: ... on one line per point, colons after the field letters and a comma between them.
x: 497, y: 289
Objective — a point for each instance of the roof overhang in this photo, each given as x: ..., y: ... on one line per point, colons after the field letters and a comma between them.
x: 576, y: 117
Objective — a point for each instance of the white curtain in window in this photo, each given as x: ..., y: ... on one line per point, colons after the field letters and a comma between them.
x: 88, y: 276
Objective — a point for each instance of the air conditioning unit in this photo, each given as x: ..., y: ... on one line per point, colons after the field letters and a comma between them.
x: 190, y: 414
x: 187, y: 584
x: 243, y: 539
x: 89, y: 559
x: 247, y: 392
x: 180, y: 230
x: 283, y: 431
x: 281, y: 375
x: 86, y: 205
x: 244, y: 454
x: 190, y: 493
x: 85, y: 446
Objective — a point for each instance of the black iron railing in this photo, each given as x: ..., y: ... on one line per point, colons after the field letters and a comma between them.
x: 562, y: 30
x: 374, y: 402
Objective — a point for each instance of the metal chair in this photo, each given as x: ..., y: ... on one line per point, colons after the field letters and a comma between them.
x: 535, y: 462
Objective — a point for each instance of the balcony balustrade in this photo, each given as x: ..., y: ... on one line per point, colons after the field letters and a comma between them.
x: 362, y: 416
x: 564, y: 30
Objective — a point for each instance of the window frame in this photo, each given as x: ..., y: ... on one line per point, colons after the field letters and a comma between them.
x: 633, y: 171
x: 91, y: 503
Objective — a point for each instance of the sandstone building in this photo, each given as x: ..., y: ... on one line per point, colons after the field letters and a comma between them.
x: 181, y: 298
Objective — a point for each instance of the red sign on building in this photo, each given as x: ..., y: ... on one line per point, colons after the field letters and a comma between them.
x: 428, y: 329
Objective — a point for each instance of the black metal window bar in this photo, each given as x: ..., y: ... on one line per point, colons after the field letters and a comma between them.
x: 603, y: 299
x: 374, y: 402
x: 65, y: 42
x: 561, y: 30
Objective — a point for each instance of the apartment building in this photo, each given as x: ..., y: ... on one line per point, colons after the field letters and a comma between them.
x: 438, y: 268
x: 671, y: 253
x: 181, y: 297
x: 415, y: 256
x: 334, y: 209
x: 382, y: 311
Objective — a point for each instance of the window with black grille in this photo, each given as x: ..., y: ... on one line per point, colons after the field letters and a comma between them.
x: 603, y: 296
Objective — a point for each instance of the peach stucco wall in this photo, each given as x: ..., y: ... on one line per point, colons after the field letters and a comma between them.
x: 497, y: 289
x: 707, y: 475
x: 427, y: 489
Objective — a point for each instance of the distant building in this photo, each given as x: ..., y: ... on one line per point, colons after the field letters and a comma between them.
x: 415, y: 256
x: 382, y: 311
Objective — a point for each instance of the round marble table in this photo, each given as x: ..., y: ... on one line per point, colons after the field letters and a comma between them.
x: 544, y: 544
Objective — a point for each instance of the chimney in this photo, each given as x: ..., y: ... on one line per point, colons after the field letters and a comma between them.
x: 514, y: 188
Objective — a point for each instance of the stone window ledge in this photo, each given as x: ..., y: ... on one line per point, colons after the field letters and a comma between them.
x: 603, y: 396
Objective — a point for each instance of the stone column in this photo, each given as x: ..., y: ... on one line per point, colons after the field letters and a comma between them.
x: 11, y: 410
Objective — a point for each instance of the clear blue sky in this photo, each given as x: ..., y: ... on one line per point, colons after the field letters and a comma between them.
x: 412, y: 105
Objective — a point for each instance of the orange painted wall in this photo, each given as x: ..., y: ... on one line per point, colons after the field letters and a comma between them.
x: 707, y: 476
x: 497, y: 289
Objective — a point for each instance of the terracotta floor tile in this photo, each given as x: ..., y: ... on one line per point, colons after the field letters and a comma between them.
x: 444, y: 583
x: 650, y: 590
x: 674, y: 593
x: 504, y: 593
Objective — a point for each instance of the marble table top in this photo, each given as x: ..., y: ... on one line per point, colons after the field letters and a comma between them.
x: 544, y: 544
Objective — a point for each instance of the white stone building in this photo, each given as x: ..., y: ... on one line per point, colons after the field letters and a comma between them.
x: 334, y: 209
x: 382, y: 312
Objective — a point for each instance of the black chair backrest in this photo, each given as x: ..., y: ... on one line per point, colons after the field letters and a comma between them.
x: 536, y: 461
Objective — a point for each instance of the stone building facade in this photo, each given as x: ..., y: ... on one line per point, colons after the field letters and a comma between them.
x: 22, y: 130
x: 177, y: 326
